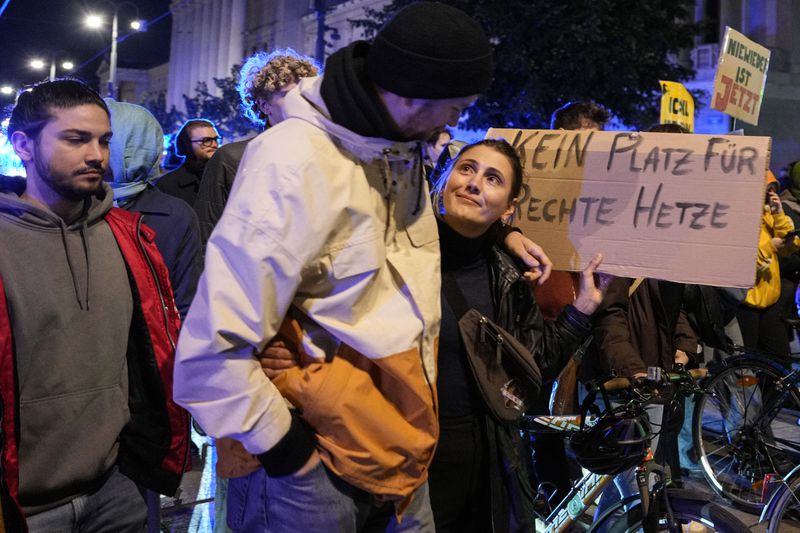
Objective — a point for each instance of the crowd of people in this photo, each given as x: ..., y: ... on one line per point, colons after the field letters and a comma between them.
x: 302, y: 295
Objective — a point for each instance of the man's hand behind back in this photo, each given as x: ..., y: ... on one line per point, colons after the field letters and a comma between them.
x: 275, y: 358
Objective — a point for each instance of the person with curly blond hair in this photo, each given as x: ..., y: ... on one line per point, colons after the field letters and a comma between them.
x: 264, y: 81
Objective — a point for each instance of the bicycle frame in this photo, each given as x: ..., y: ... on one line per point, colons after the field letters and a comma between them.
x: 590, y: 486
x: 582, y: 495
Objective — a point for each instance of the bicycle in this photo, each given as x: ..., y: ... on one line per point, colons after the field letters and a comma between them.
x: 662, y: 508
x: 745, y: 427
x: 782, y: 510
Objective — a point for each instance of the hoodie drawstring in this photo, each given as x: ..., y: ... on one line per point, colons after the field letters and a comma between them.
x: 386, y: 172
x: 72, y: 272
x: 418, y: 173
x: 86, y: 255
x: 63, y: 229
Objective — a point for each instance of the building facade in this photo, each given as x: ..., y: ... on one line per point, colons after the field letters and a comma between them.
x: 134, y: 84
x: 773, y: 24
x: 210, y: 36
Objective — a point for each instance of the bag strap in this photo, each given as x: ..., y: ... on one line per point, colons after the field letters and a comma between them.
x: 581, y: 351
x: 634, y: 286
x: 453, y: 295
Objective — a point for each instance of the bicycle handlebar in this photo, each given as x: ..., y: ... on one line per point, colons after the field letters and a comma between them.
x: 626, y: 383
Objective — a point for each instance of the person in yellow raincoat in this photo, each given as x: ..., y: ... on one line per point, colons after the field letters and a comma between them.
x: 758, y: 316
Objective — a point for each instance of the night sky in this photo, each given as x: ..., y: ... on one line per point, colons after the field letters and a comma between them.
x: 38, y: 28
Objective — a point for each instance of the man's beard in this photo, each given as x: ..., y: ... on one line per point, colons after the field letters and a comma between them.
x: 62, y: 184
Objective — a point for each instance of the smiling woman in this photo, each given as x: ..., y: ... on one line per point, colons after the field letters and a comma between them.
x: 480, y: 187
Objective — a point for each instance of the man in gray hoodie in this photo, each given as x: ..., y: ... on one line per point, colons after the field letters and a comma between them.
x: 87, y: 330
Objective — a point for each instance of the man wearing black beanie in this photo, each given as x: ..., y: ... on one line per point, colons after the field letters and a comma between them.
x: 328, y: 243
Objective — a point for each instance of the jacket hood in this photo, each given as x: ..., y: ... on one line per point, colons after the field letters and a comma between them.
x: 136, y: 148
x: 22, y: 213
x: 11, y: 203
x: 306, y: 103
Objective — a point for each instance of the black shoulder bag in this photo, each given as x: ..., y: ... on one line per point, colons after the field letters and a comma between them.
x: 507, y: 376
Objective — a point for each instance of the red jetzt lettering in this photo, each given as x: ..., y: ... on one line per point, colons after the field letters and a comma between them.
x: 721, y: 99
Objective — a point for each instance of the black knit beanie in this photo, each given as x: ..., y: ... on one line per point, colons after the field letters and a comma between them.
x: 433, y: 51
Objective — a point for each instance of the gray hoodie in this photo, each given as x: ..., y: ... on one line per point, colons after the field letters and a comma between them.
x: 70, y: 305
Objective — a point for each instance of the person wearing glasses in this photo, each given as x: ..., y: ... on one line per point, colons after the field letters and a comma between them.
x: 196, y: 141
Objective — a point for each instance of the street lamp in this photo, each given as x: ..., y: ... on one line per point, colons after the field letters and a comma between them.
x: 39, y: 64
x: 6, y: 89
x: 95, y: 21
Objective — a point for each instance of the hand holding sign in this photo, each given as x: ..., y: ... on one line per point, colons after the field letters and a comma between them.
x: 590, y: 294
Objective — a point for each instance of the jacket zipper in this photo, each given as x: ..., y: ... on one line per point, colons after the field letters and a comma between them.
x: 164, y: 309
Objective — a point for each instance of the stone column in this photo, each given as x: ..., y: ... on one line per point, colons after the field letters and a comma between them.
x: 730, y: 14
x: 180, y: 53
x: 235, y: 42
x: 216, y: 31
x: 224, y: 37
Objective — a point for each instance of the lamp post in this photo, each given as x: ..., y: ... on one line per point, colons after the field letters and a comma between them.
x: 39, y: 64
x: 95, y: 21
x: 112, y: 61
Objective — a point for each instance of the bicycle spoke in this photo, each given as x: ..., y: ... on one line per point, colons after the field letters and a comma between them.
x: 715, y: 451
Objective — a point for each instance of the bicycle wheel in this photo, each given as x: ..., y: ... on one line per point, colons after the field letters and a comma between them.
x: 784, y: 508
x: 685, y: 511
x: 744, y: 427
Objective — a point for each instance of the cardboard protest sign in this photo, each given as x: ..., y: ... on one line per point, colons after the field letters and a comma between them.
x: 684, y: 208
x: 741, y: 77
x: 677, y: 105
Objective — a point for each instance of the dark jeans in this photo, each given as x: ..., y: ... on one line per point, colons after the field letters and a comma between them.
x: 317, y: 502
x: 763, y: 330
x: 459, y: 478
x: 117, y: 506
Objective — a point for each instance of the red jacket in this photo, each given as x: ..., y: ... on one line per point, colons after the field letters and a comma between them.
x: 153, y: 448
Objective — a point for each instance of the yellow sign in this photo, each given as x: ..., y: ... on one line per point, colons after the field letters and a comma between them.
x: 741, y: 77
x: 652, y: 203
x: 677, y: 105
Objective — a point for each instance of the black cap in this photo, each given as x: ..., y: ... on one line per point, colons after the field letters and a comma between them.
x: 433, y: 51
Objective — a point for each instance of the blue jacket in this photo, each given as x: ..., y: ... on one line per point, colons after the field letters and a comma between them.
x: 177, y: 238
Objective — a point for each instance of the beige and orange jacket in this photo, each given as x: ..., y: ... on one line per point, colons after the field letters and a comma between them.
x: 328, y: 241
